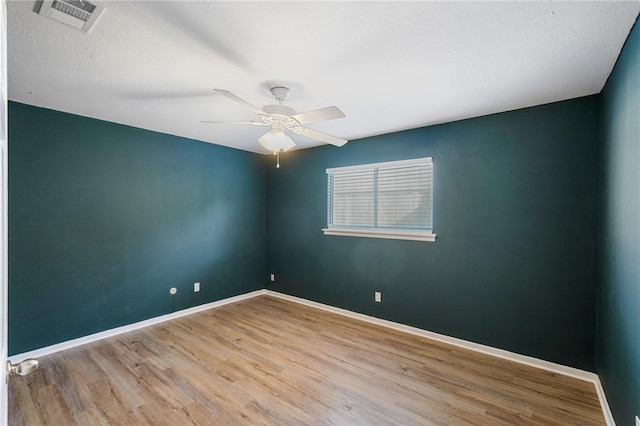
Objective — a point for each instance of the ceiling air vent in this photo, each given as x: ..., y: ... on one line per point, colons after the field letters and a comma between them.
x: 79, y: 14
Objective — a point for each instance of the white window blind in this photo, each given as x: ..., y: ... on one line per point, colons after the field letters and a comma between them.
x: 382, y: 200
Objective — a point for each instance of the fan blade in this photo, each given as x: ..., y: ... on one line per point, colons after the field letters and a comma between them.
x: 252, y: 123
x: 240, y: 101
x: 323, y: 137
x: 322, y: 114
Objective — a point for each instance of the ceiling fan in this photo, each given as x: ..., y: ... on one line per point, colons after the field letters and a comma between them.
x: 282, y: 118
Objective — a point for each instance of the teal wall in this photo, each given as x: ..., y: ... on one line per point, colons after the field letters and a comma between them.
x: 618, y: 343
x: 515, y: 211
x: 104, y: 219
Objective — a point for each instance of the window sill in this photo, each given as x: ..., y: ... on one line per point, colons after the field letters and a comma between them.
x: 392, y: 234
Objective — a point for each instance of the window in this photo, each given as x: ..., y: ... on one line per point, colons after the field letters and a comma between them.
x: 382, y: 200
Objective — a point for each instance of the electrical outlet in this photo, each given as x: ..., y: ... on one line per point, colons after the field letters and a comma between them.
x: 273, y: 277
x: 378, y: 296
x: 196, y: 287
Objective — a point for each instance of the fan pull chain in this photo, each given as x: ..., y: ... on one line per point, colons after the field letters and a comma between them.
x: 278, y: 160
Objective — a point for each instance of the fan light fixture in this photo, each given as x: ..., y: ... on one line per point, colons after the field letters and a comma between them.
x: 281, y: 118
x: 276, y: 140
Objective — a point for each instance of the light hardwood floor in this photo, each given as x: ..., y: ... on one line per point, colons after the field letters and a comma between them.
x: 270, y: 361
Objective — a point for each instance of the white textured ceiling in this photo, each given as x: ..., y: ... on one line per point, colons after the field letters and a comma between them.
x: 388, y: 65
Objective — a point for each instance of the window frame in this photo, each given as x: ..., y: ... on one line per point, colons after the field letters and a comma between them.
x: 374, y: 231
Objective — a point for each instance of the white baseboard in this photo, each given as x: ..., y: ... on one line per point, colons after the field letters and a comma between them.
x: 500, y: 353
x: 48, y: 350
x: 606, y: 410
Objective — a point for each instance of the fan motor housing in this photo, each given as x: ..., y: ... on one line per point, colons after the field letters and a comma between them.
x: 279, y: 109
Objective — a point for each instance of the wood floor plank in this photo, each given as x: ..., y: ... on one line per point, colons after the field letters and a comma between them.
x: 270, y: 361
